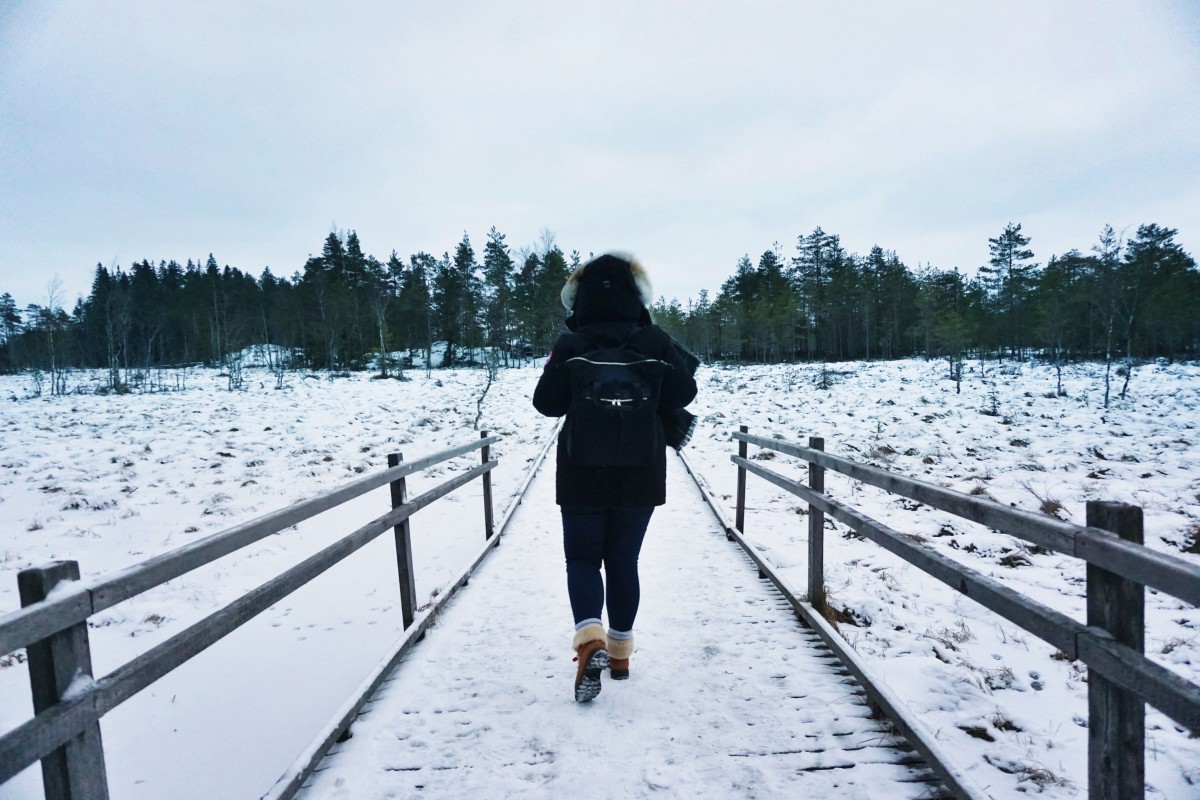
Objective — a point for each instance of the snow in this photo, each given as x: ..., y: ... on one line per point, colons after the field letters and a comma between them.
x: 111, y: 481
x: 727, y: 694
x: 959, y: 666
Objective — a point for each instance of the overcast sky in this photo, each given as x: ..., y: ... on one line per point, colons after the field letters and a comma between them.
x: 686, y: 133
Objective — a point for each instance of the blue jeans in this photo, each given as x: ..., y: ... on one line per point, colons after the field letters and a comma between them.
x: 611, y: 537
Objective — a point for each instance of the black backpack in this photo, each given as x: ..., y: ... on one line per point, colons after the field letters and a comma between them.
x: 614, y: 407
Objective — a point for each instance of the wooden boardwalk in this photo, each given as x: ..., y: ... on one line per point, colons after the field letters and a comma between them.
x: 730, y: 696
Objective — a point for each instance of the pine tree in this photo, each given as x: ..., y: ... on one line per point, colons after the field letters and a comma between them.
x: 10, y: 326
x: 456, y: 300
x: 333, y: 256
x: 379, y: 298
x: 498, y: 289
x: 550, y: 278
x: 699, y: 329
x: 818, y: 256
x: 1163, y: 290
x: 1058, y: 299
x: 736, y: 303
x: 896, y: 293
x: 774, y: 309
x: 1009, y: 277
x: 525, y: 304
x: 173, y: 336
x: 416, y: 304
x: 951, y: 318
x: 1108, y: 297
x: 108, y: 316
x: 147, y: 310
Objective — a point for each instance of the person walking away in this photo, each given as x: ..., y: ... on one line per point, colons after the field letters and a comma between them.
x: 615, y: 376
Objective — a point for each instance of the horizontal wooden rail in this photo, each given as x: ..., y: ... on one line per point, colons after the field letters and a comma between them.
x: 1121, y: 680
x: 1056, y: 628
x: 1166, y: 573
x: 1158, y: 686
x: 72, y: 605
x: 45, y: 733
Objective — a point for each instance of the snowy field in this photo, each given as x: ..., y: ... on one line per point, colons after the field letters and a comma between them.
x: 111, y: 481
x: 989, y: 690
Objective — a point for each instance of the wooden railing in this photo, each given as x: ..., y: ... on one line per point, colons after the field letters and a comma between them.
x: 52, y: 625
x: 1120, y: 680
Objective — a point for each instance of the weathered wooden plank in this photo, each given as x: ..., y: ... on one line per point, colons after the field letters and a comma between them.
x: 1046, y: 623
x: 57, y: 665
x: 19, y: 628
x: 46, y: 732
x: 1161, y: 571
x: 141, y: 577
x: 1166, y: 573
x: 1156, y: 685
x: 816, y: 532
x: 1170, y: 693
x: 129, y: 679
x: 403, y: 537
x: 1040, y: 529
x: 1116, y: 715
x: 488, y: 522
x: 740, y: 519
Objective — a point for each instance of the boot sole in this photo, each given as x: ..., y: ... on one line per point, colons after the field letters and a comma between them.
x: 589, y: 686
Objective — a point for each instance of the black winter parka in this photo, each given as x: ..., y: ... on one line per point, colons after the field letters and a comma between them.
x: 622, y: 487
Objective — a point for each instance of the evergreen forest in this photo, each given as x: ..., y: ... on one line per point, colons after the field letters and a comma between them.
x: 1121, y: 299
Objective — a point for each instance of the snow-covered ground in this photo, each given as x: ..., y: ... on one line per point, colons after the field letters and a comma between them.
x: 988, y: 689
x: 110, y: 481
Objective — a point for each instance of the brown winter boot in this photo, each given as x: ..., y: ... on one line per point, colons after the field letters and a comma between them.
x: 619, y: 651
x: 593, y: 658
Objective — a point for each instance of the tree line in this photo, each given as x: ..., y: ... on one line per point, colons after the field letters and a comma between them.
x: 340, y: 312
x: 1124, y: 299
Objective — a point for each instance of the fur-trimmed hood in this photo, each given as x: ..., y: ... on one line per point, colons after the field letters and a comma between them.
x: 640, y: 279
x: 609, y: 288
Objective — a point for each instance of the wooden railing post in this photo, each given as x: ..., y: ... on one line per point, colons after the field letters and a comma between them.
x: 488, y: 523
x: 76, y: 770
x: 404, y: 562
x: 740, y: 516
x: 816, y: 532
x: 1116, y: 717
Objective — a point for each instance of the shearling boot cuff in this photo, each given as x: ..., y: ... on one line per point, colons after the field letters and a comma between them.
x: 589, y: 633
x: 620, y: 648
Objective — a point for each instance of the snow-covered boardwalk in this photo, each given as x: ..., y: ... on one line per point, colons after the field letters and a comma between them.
x: 729, y: 696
